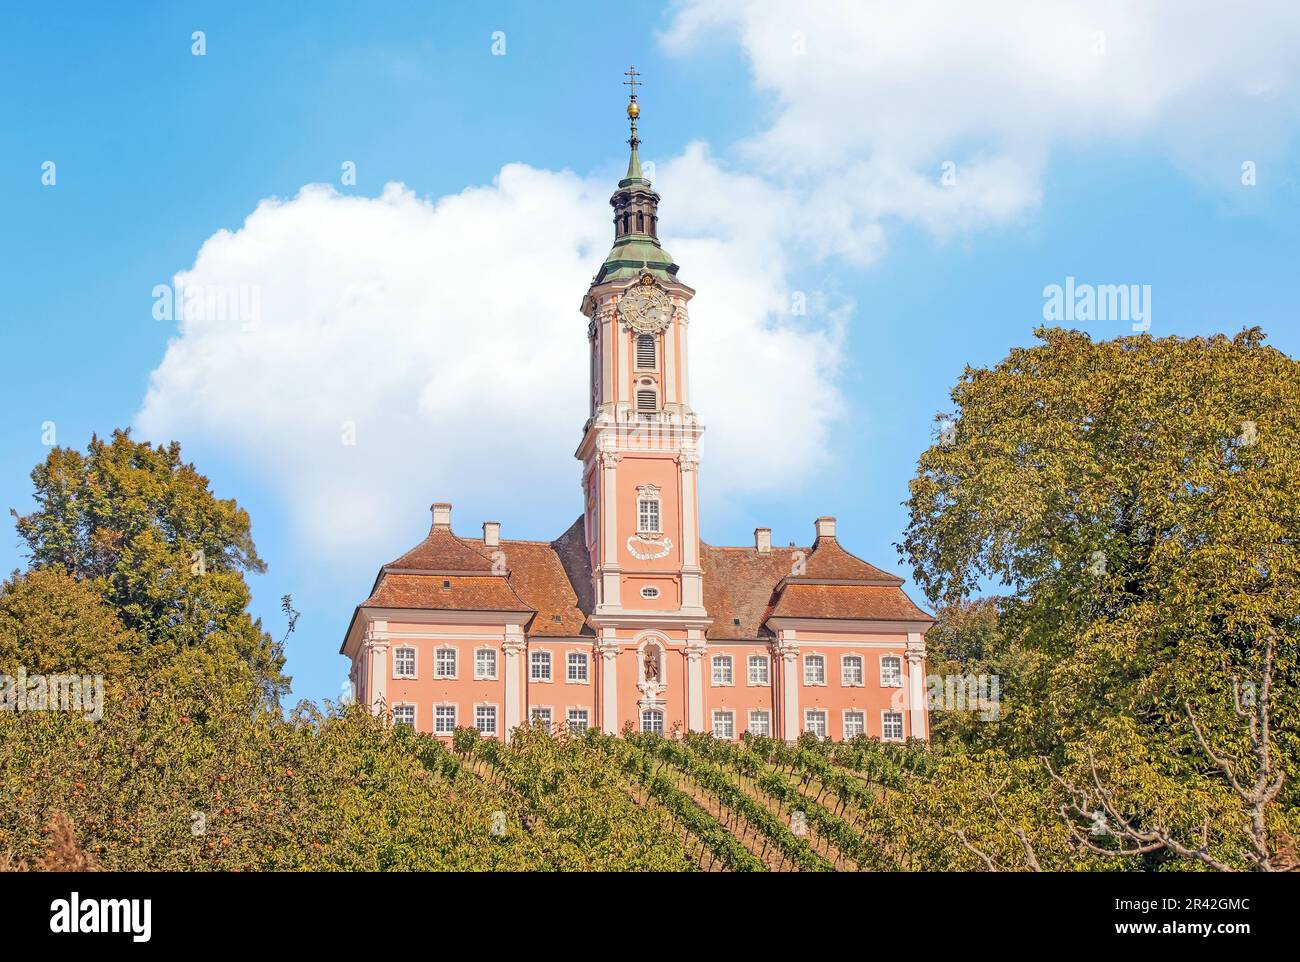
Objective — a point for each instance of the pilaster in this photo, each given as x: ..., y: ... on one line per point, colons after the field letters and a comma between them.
x: 695, y: 649
x: 375, y: 652
x: 787, y: 649
x: 918, y: 722
x: 513, y: 649
x: 607, y: 649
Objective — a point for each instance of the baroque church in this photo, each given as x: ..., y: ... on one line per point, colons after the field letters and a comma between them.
x: 628, y: 618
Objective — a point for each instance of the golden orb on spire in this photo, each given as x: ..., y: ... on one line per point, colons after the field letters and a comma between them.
x: 633, y: 110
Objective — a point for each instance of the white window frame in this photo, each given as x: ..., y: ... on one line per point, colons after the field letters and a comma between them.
x: 844, y: 722
x: 496, y: 719
x: 404, y: 705
x: 478, y: 674
x: 825, y: 722
x: 649, y: 516
x: 534, y: 709
x: 845, y: 681
x: 902, y: 726
x: 455, y: 718
x: 767, y: 722
x: 761, y: 660
x: 569, y: 662
x: 533, y: 661
x: 653, y: 711
x: 729, y: 718
x: 718, y: 661
x: 898, y: 680
x: 569, y: 721
x: 415, y: 663
x: 807, y: 664
x: 455, y: 662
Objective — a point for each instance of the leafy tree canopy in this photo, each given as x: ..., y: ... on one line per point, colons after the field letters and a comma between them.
x: 144, y: 529
x: 1137, y: 501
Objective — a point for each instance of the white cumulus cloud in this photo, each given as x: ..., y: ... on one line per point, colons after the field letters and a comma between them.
x: 872, y: 98
x: 443, y: 338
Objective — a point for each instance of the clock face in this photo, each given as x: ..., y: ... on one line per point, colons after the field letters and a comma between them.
x: 646, y: 309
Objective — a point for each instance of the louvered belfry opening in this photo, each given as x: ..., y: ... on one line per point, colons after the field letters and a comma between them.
x: 645, y: 352
x: 646, y: 400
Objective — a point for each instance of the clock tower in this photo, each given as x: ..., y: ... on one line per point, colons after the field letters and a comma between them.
x: 640, y: 443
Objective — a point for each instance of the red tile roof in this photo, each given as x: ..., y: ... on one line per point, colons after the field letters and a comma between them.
x: 434, y: 592
x: 443, y: 551
x: 742, y: 588
x: 851, y: 602
x: 740, y: 584
x: 828, y: 561
x: 539, y: 574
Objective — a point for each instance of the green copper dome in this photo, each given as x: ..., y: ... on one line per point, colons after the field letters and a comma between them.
x: 636, y: 219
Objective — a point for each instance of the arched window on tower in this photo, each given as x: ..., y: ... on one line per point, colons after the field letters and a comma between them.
x: 640, y: 222
x: 627, y: 220
x: 645, y: 352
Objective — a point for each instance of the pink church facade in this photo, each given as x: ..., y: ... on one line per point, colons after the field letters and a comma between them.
x: 628, y: 618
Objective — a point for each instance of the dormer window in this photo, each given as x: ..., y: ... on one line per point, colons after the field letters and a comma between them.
x: 646, y: 353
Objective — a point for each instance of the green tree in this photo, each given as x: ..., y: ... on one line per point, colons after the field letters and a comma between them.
x: 145, y: 530
x: 51, y: 623
x: 1137, y: 500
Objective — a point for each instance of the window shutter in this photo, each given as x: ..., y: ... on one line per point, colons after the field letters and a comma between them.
x: 645, y: 352
x: 645, y: 400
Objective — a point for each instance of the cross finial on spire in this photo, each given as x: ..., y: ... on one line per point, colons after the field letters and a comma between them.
x: 633, y: 112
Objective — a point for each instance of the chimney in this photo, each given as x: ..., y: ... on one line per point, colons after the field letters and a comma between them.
x: 825, y: 527
x: 491, y: 534
x: 763, y: 540
x: 441, y: 515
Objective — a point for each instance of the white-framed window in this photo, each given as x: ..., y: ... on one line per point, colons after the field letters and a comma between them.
x: 814, y: 720
x: 539, y: 666
x: 647, y: 515
x: 485, y: 663
x: 646, y: 354
x: 759, y: 672
x: 760, y: 722
x: 577, y: 667
x: 650, y: 592
x: 652, y: 720
x: 891, y: 671
x: 578, y: 720
x: 403, y: 662
x: 404, y: 715
x: 485, y: 719
x: 851, y: 671
x: 891, y: 726
x: 814, y: 669
x: 724, y: 724
x: 722, y: 673
x: 444, y: 719
x: 444, y: 663
x: 540, y: 715
x: 855, y: 724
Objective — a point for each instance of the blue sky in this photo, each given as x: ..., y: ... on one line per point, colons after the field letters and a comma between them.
x: 157, y: 150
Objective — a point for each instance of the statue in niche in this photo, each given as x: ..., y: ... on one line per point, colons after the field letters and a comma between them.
x: 652, y: 663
